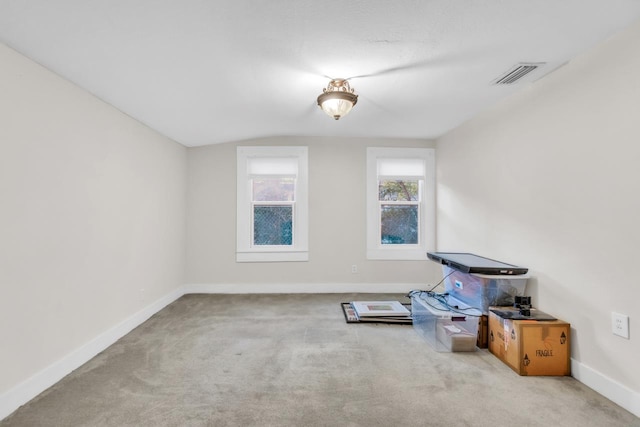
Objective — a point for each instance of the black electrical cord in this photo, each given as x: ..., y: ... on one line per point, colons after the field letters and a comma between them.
x: 443, y: 279
x: 441, y: 303
x: 441, y: 298
x: 434, y: 286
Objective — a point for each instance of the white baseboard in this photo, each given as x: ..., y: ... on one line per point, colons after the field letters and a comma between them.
x: 299, y: 288
x: 612, y: 390
x: 39, y: 382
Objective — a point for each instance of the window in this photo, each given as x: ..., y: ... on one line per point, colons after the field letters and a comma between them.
x: 400, y: 203
x: 272, y: 204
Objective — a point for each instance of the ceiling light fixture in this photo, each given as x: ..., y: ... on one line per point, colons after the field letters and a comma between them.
x: 337, y: 99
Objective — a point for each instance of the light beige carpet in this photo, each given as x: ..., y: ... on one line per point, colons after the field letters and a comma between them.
x: 292, y: 360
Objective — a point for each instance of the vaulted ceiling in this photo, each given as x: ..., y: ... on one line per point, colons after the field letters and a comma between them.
x: 210, y: 71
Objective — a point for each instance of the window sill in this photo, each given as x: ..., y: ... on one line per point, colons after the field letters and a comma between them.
x: 272, y: 256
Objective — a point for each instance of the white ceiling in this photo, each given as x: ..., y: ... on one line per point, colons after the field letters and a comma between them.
x: 211, y: 71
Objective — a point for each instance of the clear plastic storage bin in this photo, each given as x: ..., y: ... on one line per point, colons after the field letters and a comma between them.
x: 447, y: 325
x: 482, y: 290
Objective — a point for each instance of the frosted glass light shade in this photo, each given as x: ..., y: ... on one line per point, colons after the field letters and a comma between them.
x: 336, y: 108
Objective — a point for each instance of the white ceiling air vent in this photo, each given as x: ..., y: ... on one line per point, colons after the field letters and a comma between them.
x: 517, y: 72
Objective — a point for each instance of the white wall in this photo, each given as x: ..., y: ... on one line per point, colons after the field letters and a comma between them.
x: 92, y: 217
x: 337, y: 230
x: 549, y: 179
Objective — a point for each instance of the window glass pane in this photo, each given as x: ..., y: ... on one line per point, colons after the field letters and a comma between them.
x: 272, y: 225
x: 398, y: 190
x: 399, y: 224
x: 273, y: 189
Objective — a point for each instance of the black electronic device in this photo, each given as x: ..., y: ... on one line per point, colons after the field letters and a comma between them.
x: 522, y: 300
x: 471, y: 263
x: 523, y: 304
x: 516, y: 314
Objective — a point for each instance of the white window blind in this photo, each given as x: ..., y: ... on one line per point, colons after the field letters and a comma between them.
x: 401, y: 168
x: 280, y: 166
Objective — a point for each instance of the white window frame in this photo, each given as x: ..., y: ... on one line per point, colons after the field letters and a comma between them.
x: 246, y: 251
x: 427, y: 226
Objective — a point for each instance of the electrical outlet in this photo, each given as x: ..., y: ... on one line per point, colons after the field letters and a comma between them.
x: 354, y: 269
x: 620, y: 325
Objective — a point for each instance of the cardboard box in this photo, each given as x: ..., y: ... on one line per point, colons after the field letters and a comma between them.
x: 531, y: 347
x: 444, y: 329
x: 483, y: 331
x: 481, y: 290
